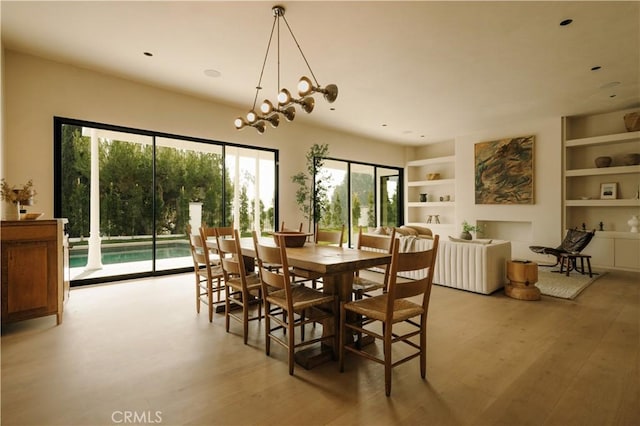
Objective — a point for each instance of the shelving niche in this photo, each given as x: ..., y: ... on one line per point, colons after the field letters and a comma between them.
x: 417, y: 212
x: 585, y: 138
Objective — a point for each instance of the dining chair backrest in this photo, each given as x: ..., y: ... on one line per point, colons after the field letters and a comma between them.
x: 277, y: 279
x: 323, y: 236
x: 283, y: 228
x: 198, y: 251
x: 376, y: 242
x: 411, y: 261
x: 230, y: 252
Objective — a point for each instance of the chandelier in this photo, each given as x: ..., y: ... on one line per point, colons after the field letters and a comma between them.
x: 270, y: 112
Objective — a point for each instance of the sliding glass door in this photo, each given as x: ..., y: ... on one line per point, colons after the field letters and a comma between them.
x: 130, y: 196
x: 359, y: 195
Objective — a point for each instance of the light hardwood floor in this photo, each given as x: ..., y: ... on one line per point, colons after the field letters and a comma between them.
x: 139, y: 347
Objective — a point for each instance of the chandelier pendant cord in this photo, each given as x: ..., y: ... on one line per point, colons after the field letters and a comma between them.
x: 266, y: 56
x: 300, y: 50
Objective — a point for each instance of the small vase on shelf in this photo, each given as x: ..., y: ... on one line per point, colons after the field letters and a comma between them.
x: 10, y: 210
x: 633, y: 223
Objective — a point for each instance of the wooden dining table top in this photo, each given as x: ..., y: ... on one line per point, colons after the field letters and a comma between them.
x: 324, y: 259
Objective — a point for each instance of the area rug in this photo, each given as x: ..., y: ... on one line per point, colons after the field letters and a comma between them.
x: 560, y: 285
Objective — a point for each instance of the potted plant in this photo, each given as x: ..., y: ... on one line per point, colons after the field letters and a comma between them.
x: 13, y: 198
x: 467, y: 229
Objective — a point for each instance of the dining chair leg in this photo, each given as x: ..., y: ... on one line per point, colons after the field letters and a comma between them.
x: 342, y: 328
x: 423, y: 346
x: 210, y: 299
x: 197, y: 295
x: 387, y: 360
x: 267, y: 327
x: 291, y: 344
x: 245, y: 316
x: 227, y: 310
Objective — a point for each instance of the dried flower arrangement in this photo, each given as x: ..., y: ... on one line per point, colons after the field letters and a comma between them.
x: 22, y: 195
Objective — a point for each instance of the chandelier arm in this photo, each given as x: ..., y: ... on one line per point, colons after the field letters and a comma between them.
x: 264, y: 62
x: 300, y: 50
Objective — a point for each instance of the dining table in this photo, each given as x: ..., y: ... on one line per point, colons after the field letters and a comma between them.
x: 337, y: 266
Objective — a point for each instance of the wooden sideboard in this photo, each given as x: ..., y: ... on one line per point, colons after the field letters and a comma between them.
x: 33, y: 265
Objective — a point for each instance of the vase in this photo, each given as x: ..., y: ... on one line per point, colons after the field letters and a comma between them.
x: 10, y: 210
x: 465, y: 235
x: 603, y: 162
x: 423, y: 197
x: 633, y: 223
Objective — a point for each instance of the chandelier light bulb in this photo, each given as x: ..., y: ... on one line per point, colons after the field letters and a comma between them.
x: 251, y: 117
x: 284, y: 97
x: 266, y: 107
x: 304, y: 86
x: 239, y: 123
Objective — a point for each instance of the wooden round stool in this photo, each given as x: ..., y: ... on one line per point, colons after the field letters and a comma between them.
x: 523, y: 275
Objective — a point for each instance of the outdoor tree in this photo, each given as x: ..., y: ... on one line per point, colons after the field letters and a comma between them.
x: 245, y: 221
x: 356, y: 210
x: 312, y: 184
x: 371, y: 214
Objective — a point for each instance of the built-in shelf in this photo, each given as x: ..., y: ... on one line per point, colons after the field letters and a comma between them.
x: 603, y: 140
x: 603, y: 203
x: 431, y: 204
x: 431, y: 161
x: 613, y: 248
x: 434, y: 182
x: 603, y: 171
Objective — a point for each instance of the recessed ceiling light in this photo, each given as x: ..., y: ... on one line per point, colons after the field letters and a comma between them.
x: 332, y: 109
x: 613, y: 96
x: 384, y: 125
x: 566, y: 22
x: 596, y: 68
x: 148, y: 54
x: 212, y: 73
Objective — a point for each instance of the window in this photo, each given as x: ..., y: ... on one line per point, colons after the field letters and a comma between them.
x: 129, y: 196
x: 360, y: 194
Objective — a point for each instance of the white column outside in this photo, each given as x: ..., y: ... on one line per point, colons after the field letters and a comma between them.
x: 94, y: 257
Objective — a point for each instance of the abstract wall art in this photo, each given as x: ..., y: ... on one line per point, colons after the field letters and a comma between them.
x: 504, y: 171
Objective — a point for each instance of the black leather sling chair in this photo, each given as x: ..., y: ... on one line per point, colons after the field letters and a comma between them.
x: 574, y: 242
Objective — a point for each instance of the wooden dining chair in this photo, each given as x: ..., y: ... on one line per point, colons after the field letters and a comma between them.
x: 363, y: 286
x: 208, y: 234
x: 323, y: 237
x: 208, y: 274
x: 287, y: 304
x: 240, y: 286
x: 390, y: 309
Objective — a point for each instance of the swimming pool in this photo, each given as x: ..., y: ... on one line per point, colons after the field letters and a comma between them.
x: 132, y: 252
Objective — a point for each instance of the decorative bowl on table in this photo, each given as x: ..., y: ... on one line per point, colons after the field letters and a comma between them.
x: 292, y: 238
x: 30, y: 216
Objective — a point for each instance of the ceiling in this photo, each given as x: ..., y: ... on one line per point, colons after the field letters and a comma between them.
x: 408, y: 72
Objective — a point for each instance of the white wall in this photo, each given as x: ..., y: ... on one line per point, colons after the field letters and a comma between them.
x: 36, y: 90
x: 540, y: 223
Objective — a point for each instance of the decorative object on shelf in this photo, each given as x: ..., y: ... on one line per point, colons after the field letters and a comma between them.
x: 424, y: 197
x: 603, y: 161
x: 437, y: 218
x: 504, y: 171
x: 584, y: 226
x: 13, y: 198
x: 609, y: 191
x: 638, y: 193
x: 30, y: 216
x: 632, y: 121
x: 633, y: 223
x: 429, y: 218
x: 467, y: 229
x: 447, y: 197
x: 285, y: 101
x: 630, y: 159
x: 433, y: 176
x: 601, y: 226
